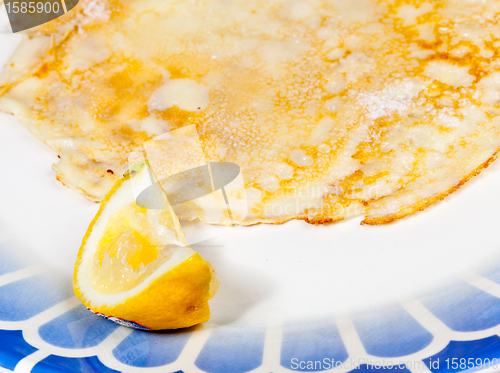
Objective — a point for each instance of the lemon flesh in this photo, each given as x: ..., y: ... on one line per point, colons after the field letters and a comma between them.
x: 135, y: 266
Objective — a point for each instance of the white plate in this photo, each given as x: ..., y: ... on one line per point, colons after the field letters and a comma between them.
x: 295, y: 291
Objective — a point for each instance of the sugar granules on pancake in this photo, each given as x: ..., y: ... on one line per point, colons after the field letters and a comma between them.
x: 332, y: 109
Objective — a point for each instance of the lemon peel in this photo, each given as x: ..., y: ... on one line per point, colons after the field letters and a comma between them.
x: 134, y: 265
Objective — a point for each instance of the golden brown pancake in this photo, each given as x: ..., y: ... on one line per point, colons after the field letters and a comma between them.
x: 331, y: 108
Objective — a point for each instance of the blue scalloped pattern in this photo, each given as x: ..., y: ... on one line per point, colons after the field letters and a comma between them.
x: 311, y: 342
x: 464, y: 308
x: 381, y: 327
x: 387, y: 333
x: 13, y: 348
x: 232, y: 349
x: 479, y: 349
x: 77, y: 328
x: 147, y: 349
x: 59, y: 364
x: 491, y: 273
x: 26, y: 298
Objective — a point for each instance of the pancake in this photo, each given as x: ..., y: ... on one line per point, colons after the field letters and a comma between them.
x: 331, y: 109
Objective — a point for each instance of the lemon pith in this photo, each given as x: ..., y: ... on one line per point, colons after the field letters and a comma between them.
x: 134, y: 264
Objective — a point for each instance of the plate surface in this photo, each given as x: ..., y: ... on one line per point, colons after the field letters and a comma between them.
x: 420, y: 294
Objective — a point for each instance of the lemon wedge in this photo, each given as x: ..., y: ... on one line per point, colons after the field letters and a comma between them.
x: 134, y: 265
